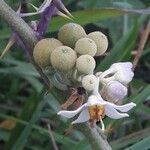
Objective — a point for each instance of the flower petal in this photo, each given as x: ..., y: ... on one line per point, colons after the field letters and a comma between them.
x: 95, y: 100
x: 113, y: 113
x: 124, y: 73
x: 122, y: 66
x: 70, y: 114
x: 115, y: 90
x: 105, y: 73
x: 83, y: 117
x: 124, y: 108
x: 124, y: 76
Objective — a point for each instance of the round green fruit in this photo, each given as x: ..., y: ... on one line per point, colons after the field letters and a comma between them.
x: 70, y: 33
x: 86, y: 46
x: 63, y: 58
x: 85, y: 64
x: 43, y: 50
x: 101, y: 41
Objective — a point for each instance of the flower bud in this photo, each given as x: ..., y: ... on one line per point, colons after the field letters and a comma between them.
x: 63, y: 58
x: 101, y: 41
x: 89, y: 82
x: 124, y: 78
x: 85, y: 64
x: 115, y: 91
x: 70, y: 33
x: 121, y: 72
x: 124, y: 73
x: 122, y: 65
x: 43, y: 50
x: 86, y: 46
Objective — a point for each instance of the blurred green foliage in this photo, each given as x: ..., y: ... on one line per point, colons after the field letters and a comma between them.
x: 22, y: 101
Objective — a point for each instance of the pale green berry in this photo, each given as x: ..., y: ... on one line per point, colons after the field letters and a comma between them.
x: 89, y: 82
x: 85, y: 64
x: 86, y: 46
x: 63, y: 58
x: 70, y: 33
x: 101, y: 41
x: 43, y: 50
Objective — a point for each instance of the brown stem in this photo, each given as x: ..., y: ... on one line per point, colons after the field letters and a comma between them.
x: 52, y: 137
x: 144, y: 38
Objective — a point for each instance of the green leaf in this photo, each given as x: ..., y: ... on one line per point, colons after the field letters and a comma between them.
x: 30, y: 113
x: 86, y: 16
x: 141, y: 97
x: 5, y: 33
x: 130, y: 139
x: 19, y: 68
x: 143, y: 144
x: 18, y: 71
x: 121, y: 51
x: 59, y: 138
x: 82, y: 17
x: 123, y: 4
x: 22, y: 70
x: 21, y: 141
x: 143, y: 109
x: 35, y: 83
x: 4, y: 135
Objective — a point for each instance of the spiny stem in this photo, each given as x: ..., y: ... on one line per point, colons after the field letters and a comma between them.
x: 17, y: 24
x: 25, y: 33
x: 29, y: 39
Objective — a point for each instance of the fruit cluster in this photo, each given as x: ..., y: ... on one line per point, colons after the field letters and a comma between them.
x: 73, y: 50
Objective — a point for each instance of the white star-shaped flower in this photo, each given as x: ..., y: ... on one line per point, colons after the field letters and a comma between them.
x: 95, y: 109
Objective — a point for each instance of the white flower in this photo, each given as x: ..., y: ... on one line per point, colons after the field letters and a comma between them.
x: 121, y: 72
x: 95, y: 108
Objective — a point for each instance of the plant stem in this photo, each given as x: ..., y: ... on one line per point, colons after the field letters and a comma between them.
x: 95, y: 138
x: 52, y: 137
x: 17, y: 24
x: 29, y: 39
x: 25, y: 33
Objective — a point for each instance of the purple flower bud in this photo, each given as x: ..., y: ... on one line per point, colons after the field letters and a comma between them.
x: 122, y: 65
x: 124, y: 72
x: 121, y: 72
x: 115, y: 91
